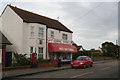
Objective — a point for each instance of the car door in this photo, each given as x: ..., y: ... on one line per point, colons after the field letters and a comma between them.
x: 87, y: 61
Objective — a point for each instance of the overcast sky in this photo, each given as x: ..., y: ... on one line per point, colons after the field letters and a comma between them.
x: 92, y: 23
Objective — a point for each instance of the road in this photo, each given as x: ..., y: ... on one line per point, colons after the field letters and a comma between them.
x: 100, y: 70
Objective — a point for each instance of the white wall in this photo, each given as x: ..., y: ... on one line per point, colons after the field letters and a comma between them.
x: 12, y: 28
x: 33, y: 42
x: 58, y: 34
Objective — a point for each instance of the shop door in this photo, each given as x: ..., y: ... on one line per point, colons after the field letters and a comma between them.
x: 8, y: 59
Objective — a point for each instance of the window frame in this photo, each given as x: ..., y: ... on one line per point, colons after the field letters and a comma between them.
x: 40, y: 41
x: 64, y: 36
x: 32, y: 33
x: 52, y: 34
x: 31, y: 51
x: 39, y: 50
x: 40, y: 32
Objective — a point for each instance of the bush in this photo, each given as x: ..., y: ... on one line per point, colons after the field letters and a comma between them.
x: 21, y: 60
x: 41, y: 60
x: 81, y: 53
x: 97, y: 54
x: 109, y: 54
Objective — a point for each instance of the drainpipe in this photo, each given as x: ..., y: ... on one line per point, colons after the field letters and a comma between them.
x: 46, y: 41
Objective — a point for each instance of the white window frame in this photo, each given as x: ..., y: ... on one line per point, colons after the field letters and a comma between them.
x: 40, y: 55
x: 64, y: 36
x: 40, y: 42
x: 52, y: 34
x: 32, y: 32
x: 40, y: 52
x: 40, y: 32
x: 31, y: 51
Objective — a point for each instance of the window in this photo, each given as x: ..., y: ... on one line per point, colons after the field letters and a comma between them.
x: 32, y: 32
x: 80, y: 59
x: 87, y: 58
x: 40, y: 56
x: 52, y: 34
x: 31, y: 49
x: 40, y: 33
x: 40, y: 49
x: 40, y: 41
x: 64, y: 36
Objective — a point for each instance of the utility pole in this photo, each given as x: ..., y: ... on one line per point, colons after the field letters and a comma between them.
x: 117, y: 49
x: 116, y: 42
x: 58, y: 18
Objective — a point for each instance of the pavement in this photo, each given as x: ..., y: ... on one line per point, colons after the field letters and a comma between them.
x: 24, y: 72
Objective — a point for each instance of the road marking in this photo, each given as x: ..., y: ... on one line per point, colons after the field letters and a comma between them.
x: 105, y: 68
x: 81, y: 74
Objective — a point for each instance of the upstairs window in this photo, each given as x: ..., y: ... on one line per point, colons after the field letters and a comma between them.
x: 40, y: 41
x: 52, y: 34
x: 32, y: 32
x: 40, y: 32
x: 64, y: 36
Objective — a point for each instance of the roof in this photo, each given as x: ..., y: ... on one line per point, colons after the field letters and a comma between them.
x: 30, y: 17
x: 78, y: 47
x: 4, y: 40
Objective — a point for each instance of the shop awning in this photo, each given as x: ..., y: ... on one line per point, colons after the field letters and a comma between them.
x: 57, y: 47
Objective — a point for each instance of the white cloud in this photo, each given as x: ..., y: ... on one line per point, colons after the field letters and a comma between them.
x: 91, y: 22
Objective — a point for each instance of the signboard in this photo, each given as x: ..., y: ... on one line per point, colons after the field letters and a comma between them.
x: 59, y: 41
x: 66, y: 49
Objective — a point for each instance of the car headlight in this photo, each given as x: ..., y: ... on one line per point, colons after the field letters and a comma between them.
x: 81, y: 63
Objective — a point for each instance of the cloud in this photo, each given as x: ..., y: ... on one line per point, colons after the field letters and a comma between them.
x: 91, y: 22
x: 97, y: 26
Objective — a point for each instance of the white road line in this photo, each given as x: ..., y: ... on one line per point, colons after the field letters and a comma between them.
x: 105, y: 68
x: 81, y: 74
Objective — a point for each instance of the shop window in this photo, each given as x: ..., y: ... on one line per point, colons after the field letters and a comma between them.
x: 64, y: 56
x: 64, y: 36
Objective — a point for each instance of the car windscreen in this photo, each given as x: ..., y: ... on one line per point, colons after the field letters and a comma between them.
x: 80, y: 59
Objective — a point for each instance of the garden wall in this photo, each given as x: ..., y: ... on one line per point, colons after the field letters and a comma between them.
x: 102, y: 58
x: 52, y: 63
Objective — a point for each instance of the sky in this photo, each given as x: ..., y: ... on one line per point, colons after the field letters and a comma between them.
x: 92, y: 22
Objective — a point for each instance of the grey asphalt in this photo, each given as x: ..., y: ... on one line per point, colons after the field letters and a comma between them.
x: 40, y: 72
x: 101, y: 70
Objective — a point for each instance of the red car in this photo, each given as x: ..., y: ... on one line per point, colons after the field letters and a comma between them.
x: 82, y: 62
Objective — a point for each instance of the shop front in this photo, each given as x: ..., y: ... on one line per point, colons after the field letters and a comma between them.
x: 61, y: 51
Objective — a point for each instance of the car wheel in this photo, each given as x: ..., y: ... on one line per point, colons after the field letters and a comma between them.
x: 84, y: 66
x: 72, y: 67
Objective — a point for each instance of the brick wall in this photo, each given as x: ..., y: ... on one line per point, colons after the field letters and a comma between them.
x: 52, y: 63
x: 102, y: 58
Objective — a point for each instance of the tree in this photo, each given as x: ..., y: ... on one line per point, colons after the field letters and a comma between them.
x: 109, y: 49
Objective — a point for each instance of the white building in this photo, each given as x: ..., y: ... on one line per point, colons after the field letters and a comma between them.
x: 30, y: 32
